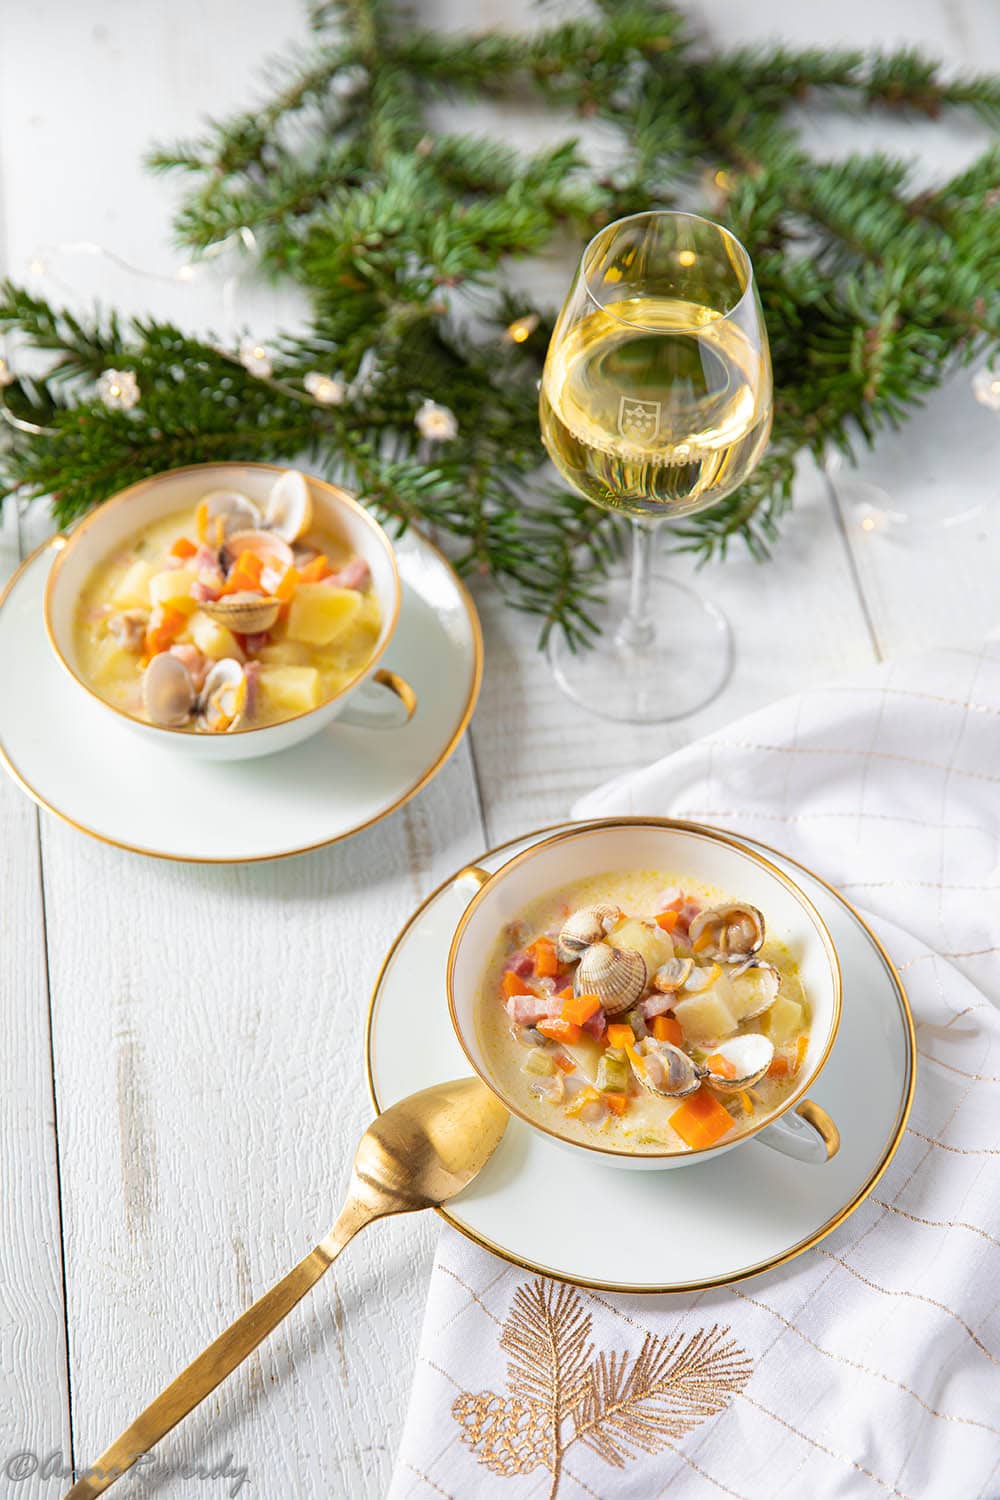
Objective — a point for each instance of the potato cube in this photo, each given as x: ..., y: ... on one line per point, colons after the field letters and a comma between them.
x: 289, y: 690
x: 784, y: 1021
x: 111, y: 661
x: 319, y: 612
x: 650, y: 943
x: 705, y: 1017
x: 285, y: 654
x: 213, y: 639
x: 173, y: 588
x: 133, y: 590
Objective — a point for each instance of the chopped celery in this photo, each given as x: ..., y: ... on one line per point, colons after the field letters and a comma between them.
x: 612, y: 1072
x: 538, y: 1062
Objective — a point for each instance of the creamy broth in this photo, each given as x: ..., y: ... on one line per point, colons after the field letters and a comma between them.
x: 146, y: 599
x: 526, y: 1064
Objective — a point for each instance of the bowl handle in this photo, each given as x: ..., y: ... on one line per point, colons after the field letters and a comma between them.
x: 806, y: 1132
x: 391, y: 702
x: 470, y: 880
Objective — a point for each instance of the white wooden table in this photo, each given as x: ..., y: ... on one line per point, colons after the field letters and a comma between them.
x: 180, y: 1070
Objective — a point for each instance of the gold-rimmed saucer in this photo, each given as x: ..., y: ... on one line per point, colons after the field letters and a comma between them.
x: 712, y: 1224
x: 76, y: 761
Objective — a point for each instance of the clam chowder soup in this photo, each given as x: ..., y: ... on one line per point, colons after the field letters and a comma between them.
x: 226, y: 617
x: 643, y: 1013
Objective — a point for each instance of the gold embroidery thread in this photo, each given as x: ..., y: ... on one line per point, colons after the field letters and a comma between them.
x: 561, y: 1392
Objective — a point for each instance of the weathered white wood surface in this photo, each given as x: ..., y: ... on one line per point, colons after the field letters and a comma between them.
x: 206, y: 1023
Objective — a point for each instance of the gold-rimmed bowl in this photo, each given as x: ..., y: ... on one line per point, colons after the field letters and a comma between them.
x: 373, y: 698
x: 798, y: 1126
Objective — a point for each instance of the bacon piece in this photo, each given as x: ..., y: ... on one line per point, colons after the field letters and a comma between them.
x: 353, y: 575
x: 196, y: 662
x: 522, y: 964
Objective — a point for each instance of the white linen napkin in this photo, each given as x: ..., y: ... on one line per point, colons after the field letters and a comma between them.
x: 869, y: 1365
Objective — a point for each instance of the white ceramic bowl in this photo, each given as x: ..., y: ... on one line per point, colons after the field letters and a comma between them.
x: 390, y: 700
x: 799, y: 1127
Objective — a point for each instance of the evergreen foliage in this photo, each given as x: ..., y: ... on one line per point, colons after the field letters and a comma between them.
x: 873, y: 286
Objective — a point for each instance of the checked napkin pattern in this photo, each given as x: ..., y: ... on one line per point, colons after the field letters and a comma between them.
x: 870, y: 1365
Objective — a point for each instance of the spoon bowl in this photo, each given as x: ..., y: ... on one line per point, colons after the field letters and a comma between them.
x: 417, y: 1154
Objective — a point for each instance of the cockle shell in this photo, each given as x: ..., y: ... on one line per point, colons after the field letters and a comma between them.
x: 729, y: 933
x: 591, y: 924
x: 665, y: 1070
x: 673, y: 974
x: 289, y: 507
x: 750, y: 1055
x: 245, y: 612
x: 222, y: 697
x: 168, y: 693
x: 236, y: 510
x: 267, y: 545
x: 767, y: 980
x: 617, y: 976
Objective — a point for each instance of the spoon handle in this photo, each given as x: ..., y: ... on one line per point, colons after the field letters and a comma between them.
x: 212, y: 1366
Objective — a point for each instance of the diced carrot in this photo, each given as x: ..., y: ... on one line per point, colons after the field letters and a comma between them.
x: 287, y: 584
x: 746, y: 1103
x: 779, y: 1066
x: 701, y: 1120
x: 164, y: 629
x: 784, y: 1064
x: 511, y: 984
x: 244, y: 576
x: 580, y: 1100
x: 801, y: 1048
x: 565, y: 994
x: 315, y: 571
x: 703, y: 940
x: 201, y: 521
x: 543, y: 951
x: 667, y: 1029
x: 580, y: 1008
x: 183, y: 548
x: 617, y: 1103
x: 566, y: 1064
x: 558, y: 1030
x: 720, y: 1066
x: 668, y: 920
x: 621, y: 1036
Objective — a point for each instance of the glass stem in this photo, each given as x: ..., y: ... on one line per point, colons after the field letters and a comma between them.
x: 636, y: 632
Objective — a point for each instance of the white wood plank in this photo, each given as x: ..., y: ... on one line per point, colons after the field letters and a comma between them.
x: 208, y: 1040
x: 795, y: 620
x: 34, y: 1390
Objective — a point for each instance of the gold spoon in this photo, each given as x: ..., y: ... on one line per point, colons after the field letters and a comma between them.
x: 417, y: 1154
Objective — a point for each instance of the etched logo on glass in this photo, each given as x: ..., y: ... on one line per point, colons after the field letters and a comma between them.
x: 638, y: 419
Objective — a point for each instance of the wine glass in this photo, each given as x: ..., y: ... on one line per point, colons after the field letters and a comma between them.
x: 655, y: 401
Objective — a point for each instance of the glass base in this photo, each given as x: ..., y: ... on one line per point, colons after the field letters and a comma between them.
x: 684, y: 665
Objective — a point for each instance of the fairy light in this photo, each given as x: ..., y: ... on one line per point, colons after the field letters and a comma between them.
x: 686, y: 257
x: 522, y: 328
x: 326, y: 389
x: 986, y: 388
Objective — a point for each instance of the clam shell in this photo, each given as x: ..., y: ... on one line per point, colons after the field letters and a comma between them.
x: 222, y: 697
x: 736, y: 932
x: 665, y: 1070
x: 768, y: 981
x: 583, y: 928
x: 673, y: 974
x: 237, y: 510
x: 617, y: 976
x: 267, y: 545
x: 168, y: 693
x: 750, y: 1055
x: 289, y: 506
x: 245, y: 612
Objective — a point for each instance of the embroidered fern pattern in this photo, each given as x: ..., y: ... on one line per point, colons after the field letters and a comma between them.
x: 619, y: 1405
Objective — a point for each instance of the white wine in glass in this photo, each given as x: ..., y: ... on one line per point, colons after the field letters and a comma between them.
x: 656, y: 402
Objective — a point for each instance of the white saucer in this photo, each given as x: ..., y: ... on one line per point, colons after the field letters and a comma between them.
x: 569, y: 1216
x: 79, y: 763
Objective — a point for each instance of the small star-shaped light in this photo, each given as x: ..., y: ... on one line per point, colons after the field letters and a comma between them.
x: 325, y: 389
x: 255, y: 358
x: 521, y: 328
x: 986, y: 388
x: 118, y: 389
x: 438, y: 423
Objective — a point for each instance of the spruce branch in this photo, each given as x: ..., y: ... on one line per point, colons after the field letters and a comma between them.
x: 874, y: 284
